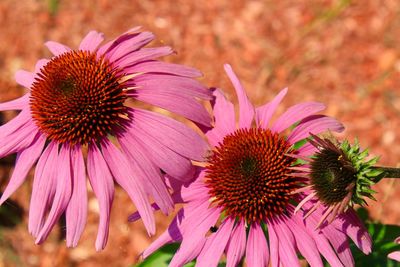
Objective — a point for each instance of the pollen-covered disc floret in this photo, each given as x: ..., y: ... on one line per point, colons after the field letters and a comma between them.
x: 248, y: 174
x: 77, y: 98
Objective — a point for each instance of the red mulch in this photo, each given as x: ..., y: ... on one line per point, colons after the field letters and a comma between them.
x: 341, y: 53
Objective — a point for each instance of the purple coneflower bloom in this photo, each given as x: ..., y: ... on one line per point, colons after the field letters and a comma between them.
x: 244, y: 192
x: 396, y: 254
x: 76, y: 105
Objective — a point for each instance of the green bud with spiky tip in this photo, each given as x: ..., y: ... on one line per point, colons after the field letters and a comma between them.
x: 365, y: 172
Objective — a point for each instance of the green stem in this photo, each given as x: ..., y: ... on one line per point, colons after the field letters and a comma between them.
x: 388, y: 172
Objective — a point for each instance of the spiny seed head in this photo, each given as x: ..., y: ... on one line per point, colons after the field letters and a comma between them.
x: 341, y: 170
x: 77, y: 98
x: 248, y: 174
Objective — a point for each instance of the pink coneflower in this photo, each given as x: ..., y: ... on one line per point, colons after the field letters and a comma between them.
x: 396, y: 254
x: 244, y: 192
x: 76, y: 103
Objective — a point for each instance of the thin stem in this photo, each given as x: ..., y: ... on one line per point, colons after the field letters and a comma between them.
x: 388, y: 172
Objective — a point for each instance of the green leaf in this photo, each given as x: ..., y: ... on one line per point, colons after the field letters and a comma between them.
x: 162, y: 257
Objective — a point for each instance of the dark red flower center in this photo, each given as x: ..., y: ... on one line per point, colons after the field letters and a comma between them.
x: 78, y: 98
x: 248, y: 174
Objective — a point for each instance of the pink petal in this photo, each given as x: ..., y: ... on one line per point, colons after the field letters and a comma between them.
x: 257, y: 252
x: 236, y: 245
x: 76, y: 212
x: 287, y: 252
x: 171, y: 133
x: 25, y: 160
x: 265, y: 112
x: 172, y: 234
x: 274, y: 245
x: 16, y: 124
x: 57, y: 48
x: 197, y: 190
x: 62, y: 194
x: 320, y: 239
x: 25, y: 78
x: 43, y: 189
x: 215, y: 245
x: 170, y: 84
x: 103, y: 187
x: 18, y: 140
x: 123, y: 174
x: 350, y: 224
x: 143, y: 55
x: 304, y: 242
x: 246, y: 109
x: 394, y: 256
x: 194, y: 229
x: 224, y: 118
x: 307, y: 150
x: 316, y: 125
x: 178, y: 103
x: 295, y: 114
x: 40, y: 64
x: 149, y: 175
x: 109, y: 46
x: 15, y: 104
x: 163, y: 67
x: 163, y: 157
x: 135, y: 42
x: 91, y: 41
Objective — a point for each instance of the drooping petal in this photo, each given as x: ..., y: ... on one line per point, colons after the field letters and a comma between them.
x: 18, y: 140
x: 316, y: 125
x: 287, y: 252
x: 257, y: 252
x: 169, y: 161
x: 171, y: 133
x: 63, y: 192
x: 215, y: 245
x: 350, y: 224
x: 103, y: 187
x: 148, y: 174
x: 57, y: 48
x: 76, y: 212
x: 43, y: 189
x: 194, y: 229
x: 246, y: 109
x: 172, y: 234
x: 123, y: 174
x: 236, y: 245
x: 304, y: 242
x: 165, y: 68
x: 296, y: 113
x: 25, y: 160
x: 273, y: 244
x: 24, y: 78
x: 265, y: 112
x: 91, y: 41
x: 16, y: 104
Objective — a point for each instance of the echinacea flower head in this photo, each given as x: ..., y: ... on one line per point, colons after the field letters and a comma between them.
x: 340, y: 177
x: 81, y: 102
x: 241, y: 202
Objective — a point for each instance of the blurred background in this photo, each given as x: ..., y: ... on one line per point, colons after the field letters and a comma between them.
x: 343, y: 53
